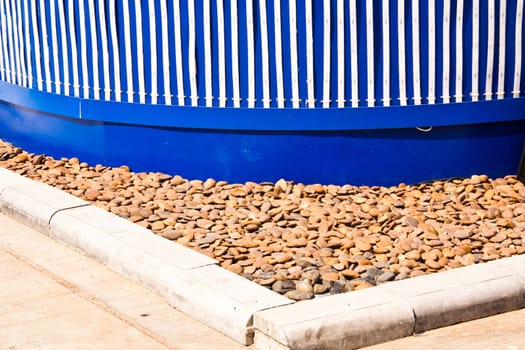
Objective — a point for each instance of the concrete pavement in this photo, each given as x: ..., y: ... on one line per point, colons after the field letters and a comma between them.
x: 52, y: 297
x: 55, y: 298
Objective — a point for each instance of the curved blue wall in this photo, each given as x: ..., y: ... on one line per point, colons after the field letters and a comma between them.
x: 314, y: 91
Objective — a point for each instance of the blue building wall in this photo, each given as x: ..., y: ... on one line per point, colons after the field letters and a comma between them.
x: 337, y: 91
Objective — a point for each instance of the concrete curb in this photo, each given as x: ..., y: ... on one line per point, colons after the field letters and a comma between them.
x: 395, y: 309
x: 189, y: 281
x: 248, y: 312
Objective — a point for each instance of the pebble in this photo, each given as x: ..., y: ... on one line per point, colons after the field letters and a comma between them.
x: 305, y: 240
x: 298, y: 295
x: 282, y: 287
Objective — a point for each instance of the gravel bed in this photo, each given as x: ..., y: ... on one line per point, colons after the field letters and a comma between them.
x: 305, y: 240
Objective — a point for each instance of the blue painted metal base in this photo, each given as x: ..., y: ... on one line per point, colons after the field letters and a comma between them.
x: 354, y: 156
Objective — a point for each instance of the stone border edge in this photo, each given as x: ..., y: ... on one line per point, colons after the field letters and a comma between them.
x: 247, y: 312
x: 190, y: 282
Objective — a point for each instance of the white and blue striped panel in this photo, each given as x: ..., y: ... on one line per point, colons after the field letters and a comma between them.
x: 266, y: 53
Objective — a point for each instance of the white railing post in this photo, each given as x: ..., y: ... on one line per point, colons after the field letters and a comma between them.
x: 264, y: 53
x: 490, y: 50
x: 165, y: 52
x: 222, y: 54
x: 127, y: 49
x: 235, y: 54
x: 179, y: 61
x: 116, y: 51
x: 21, y: 52
x: 94, y: 49
x: 250, y: 44
x: 279, y: 76
x: 416, y: 53
x: 459, y: 51
x: 370, y: 52
x: 386, y: 53
x: 353, y: 59
x: 54, y: 43
x: 208, y: 71
x: 403, y: 100
x: 36, y: 38
x: 326, y: 54
x: 2, y: 69
x: 43, y: 25
x: 64, y: 53
x: 105, y: 49
x: 501, y: 60
x: 341, y: 53
x: 446, y: 51
x: 140, y: 51
x: 293, y: 54
x: 517, y: 50
x: 154, y: 93
x: 475, y: 50
x: 309, y: 54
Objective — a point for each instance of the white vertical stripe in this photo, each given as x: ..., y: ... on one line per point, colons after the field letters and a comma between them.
x: 21, y: 43
x: 415, y: 52
x: 446, y: 51
x: 251, y: 53
x: 2, y: 69
x: 127, y: 48
x: 222, y: 54
x: 10, y: 46
x: 64, y: 52
x: 401, y: 49
x: 4, y: 42
x: 115, y: 47
x: 165, y: 52
x: 309, y: 54
x: 501, y: 61
x: 207, y: 53
x: 517, y: 49
x: 431, y: 52
x: 265, y: 54
x: 235, y: 54
x: 105, y: 49
x: 490, y: 50
x: 341, y: 53
x: 354, y: 53
x: 475, y: 50
x: 74, y: 54
x: 459, y: 51
x: 94, y: 49
x: 140, y: 51
x: 278, y: 54
x: 45, y: 45
x: 386, y: 53
x: 54, y: 42
x: 293, y: 54
x: 36, y: 39
x: 179, y: 64
x: 13, y: 40
x: 153, y: 52
x: 191, y: 53
x: 326, y: 55
x: 370, y: 51
x: 83, y: 50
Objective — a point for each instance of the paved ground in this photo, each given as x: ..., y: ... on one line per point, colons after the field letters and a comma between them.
x: 500, y: 332
x: 54, y: 298
x: 51, y: 297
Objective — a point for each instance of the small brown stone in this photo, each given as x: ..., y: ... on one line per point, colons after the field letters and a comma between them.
x: 330, y: 276
x: 171, y: 234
